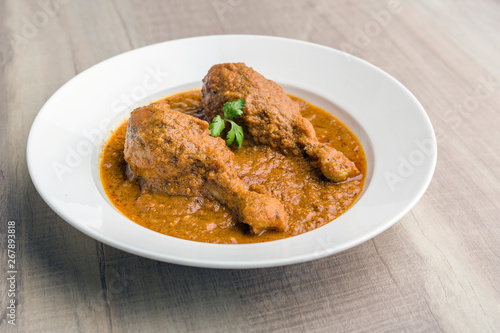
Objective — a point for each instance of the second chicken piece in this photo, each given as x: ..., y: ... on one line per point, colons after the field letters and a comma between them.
x: 271, y: 117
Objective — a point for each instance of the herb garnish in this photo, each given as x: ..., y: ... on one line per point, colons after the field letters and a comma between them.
x: 235, y: 134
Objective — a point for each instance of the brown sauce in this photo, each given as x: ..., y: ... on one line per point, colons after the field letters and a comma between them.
x: 310, y: 200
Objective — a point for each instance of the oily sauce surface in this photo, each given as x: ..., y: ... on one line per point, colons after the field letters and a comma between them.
x: 310, y: 200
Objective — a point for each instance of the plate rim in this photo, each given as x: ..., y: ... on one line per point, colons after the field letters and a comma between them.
x: 233, y: 264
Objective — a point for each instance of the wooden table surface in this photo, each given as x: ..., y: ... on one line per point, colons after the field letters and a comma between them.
x: 438, y: 269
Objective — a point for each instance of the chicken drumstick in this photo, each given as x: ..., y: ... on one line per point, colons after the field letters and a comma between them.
x: 271, y: 117
x: 172, y: 152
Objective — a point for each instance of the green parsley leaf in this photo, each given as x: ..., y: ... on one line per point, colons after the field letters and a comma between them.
x: 233, y: 109
x: 231, y: 135
x: 236, y: 133
x: 217, y: 126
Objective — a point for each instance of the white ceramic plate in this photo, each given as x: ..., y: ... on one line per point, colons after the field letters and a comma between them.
x: 69, y: 131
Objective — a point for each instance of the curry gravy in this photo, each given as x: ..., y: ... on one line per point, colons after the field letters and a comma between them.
x: 310, y: 200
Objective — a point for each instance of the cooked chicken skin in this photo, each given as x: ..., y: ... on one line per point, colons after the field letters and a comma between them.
x: 271, y: 117
x: 172, y: 152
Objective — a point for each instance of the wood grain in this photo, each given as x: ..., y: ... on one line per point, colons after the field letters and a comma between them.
x: 438, y: 269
